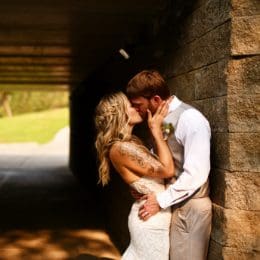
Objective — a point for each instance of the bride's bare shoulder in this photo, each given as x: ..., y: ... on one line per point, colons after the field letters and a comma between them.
x: 122, y: 148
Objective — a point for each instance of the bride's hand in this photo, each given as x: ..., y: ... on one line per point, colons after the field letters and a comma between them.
x: 155, y: 121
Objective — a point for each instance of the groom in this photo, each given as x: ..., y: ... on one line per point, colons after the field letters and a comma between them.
x: 188, y: 135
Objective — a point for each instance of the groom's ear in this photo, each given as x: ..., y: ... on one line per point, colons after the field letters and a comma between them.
x: 156, y: 100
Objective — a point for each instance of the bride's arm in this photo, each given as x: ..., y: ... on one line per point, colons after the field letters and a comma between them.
x: 131, y: 161
x: 162, y: 148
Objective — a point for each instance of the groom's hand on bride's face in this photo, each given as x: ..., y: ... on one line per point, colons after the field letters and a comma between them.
x: 150, y: 207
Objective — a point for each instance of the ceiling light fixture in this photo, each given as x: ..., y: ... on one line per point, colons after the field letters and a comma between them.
x: 124, y: 54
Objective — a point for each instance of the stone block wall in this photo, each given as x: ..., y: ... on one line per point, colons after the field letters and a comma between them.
x: 212, y: 62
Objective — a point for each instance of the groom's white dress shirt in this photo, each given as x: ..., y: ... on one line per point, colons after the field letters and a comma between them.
x: 193, y: 133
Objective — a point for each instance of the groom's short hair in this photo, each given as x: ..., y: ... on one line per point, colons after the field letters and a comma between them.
x: 147, y: 83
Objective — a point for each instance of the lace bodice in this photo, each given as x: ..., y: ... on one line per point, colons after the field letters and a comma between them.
x: 147, y: 185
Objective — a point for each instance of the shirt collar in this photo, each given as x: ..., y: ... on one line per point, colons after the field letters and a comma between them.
x: 174, y: 104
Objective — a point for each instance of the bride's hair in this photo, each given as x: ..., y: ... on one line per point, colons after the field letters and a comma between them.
x: 111, y: 121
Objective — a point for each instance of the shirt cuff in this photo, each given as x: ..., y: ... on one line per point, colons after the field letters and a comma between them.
x: 170, y: 197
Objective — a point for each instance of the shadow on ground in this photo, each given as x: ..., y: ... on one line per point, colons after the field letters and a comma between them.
x: 46, y: 213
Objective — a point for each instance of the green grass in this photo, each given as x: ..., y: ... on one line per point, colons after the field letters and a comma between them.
x: 37, y: 127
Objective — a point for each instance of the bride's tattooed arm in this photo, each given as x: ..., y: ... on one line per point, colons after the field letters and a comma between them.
x: 139, y: 160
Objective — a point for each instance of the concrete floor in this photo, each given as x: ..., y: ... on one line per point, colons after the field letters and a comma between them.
x: 44, y: 212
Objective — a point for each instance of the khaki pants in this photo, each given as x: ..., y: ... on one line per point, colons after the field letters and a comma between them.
x: 190, y: 229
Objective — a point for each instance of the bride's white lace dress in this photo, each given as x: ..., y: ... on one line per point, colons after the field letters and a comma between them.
x: 149, y: 240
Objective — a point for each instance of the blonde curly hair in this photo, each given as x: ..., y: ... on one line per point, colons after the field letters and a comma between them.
x: 111, y: 121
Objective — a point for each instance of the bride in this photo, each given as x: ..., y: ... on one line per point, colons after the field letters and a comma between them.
x: 145, y: 172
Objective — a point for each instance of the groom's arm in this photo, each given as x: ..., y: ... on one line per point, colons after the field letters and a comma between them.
x: 194, y: 133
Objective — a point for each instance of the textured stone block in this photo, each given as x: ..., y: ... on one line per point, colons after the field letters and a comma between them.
x: 220, y: 252
x: 215, y: 110
x: 210, y: 48
x: 235, y: 190
x: 209, y: 81
x: 245, y: 35
x: 245, y: 7
x: 236, y: 151
x: 218, y: 186
x: 183, y: 87
x: 230, y: 253
x: 236, y: 229
x: 205, y: 18
x: 220, y: 151
x: 243, y: 76
x: 243, y: 113
x: 244, y: 152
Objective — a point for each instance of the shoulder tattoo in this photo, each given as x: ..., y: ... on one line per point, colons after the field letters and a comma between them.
x: 142, y: 158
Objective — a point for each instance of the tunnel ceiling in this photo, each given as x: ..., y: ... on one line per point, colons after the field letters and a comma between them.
x: 54, y: 44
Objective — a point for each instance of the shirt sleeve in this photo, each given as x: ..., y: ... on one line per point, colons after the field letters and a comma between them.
x: 193, y: 132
